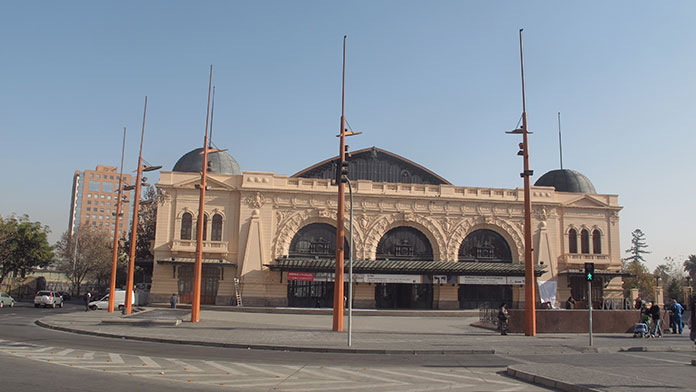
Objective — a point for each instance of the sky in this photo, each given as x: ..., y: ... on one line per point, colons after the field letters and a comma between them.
x: 437, y: 82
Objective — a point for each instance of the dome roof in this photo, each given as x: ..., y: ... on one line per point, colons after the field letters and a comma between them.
x: 566, y: 180
x: 218, y: 162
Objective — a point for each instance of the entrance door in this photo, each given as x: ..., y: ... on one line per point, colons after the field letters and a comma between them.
x: 477, y: 296
x: 403, y: 296
x: 210, y: 278
x: 310, y: 294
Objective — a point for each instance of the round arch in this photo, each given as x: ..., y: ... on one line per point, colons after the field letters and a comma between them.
x: 485, y: 245
x: 383, y: 224
x: 404, y: 243
x: 510, y: 233
x: 316, y: 240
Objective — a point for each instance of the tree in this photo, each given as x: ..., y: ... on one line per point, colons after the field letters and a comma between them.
x: 23, y: 246
x: 643, y: 280
x: 671, y: 277
x: 638, y: 247
x: 85, y: 255
x: 690, y: 267
x: 147, y: 224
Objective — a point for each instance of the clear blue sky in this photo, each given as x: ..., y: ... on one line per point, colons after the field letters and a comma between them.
x: 437, y: 82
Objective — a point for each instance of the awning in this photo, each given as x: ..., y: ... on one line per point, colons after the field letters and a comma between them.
x: 192, y: 260
x: 598, y: 272
x: 405, y: 267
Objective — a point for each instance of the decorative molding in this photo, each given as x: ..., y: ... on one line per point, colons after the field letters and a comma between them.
x: 256, y: 201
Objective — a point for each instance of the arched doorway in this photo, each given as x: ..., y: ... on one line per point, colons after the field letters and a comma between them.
x: 404, y: 243
x: 486, y: 246
x: 316, y: 240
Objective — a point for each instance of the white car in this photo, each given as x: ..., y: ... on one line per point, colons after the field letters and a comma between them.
x: 48, y: 299
x: 6, y: 300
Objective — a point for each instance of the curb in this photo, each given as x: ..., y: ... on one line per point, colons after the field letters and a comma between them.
x: 264, y: 347
x: 547, y: 381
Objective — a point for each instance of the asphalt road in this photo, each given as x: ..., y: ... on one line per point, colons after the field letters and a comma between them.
x: 33, y: 358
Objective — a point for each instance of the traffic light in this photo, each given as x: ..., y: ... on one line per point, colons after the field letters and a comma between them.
x: 589, y: 272
x: 344, y: 171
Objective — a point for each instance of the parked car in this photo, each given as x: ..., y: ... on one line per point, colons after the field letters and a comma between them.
x: 6, y: 300
x: 48, y: 298
x: 119, y: 301
x: 66, y: 296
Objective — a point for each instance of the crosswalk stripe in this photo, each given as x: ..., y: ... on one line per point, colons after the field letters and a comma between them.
x: 368, y: 387
x: 411, y: 375
x: 224, y: 368
x: 115, y: 358
x: 150, y: 362
x: 183, y: 364
x: 260, y: 370
x: 364, y: 374
x: 319, y: 374
x: 88, y: 355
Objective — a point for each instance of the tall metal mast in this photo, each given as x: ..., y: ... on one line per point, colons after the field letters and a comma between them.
x: 198, y: 266
x: 114, y: 259
x: 340, y: 213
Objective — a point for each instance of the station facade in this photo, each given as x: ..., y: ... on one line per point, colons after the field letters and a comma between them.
x: 418, y: 240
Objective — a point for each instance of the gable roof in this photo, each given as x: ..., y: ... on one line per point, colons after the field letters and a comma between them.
x: 375, y: 164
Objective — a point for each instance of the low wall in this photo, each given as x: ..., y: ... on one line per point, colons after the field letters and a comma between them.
x: 576, y: 320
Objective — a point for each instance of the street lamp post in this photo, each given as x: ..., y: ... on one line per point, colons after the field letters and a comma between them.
x: 350, y: 264
x: 529, y: 289
x: 114, y: 259
x: 338, y: 281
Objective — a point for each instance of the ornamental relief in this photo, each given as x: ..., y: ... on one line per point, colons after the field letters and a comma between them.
x: 255, y: 201
x: 382, y: 224
x: 290, y: 221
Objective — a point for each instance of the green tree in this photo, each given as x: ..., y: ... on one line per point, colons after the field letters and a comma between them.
x: 147, y: 224
x: 84, y: 256
x: 690, y: 267
x: 23, y: 246
x: 638, y: 247
x: 642, y: 279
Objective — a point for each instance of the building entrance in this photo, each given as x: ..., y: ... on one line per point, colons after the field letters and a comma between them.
x: 210, y: 280
x: 477, y: 296
x: 303, y: 294
x: 403, y: 296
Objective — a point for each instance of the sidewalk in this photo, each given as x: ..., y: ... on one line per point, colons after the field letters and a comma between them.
x: 381, y: 333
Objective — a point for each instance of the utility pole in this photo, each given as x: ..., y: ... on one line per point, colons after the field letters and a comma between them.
x: 340, y: 213
x: 530, y: 281
x: 198, y: 266
x: 114, y: 259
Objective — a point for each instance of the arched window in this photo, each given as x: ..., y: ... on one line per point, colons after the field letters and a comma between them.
x: 186, y: 220
x: 205, y: 226
x: 572, y: 241
x: 404, y: 243
x: 585, y: 241
x: 596, y: 242
x: 316, y: 240
x: 216, y: 233
x: 485, y: 245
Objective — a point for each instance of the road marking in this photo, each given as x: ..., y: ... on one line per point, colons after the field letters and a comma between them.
x: 115, y: 358
x: 150, y: 362
x: 260, y: 370
x: 186, y: 366
x: 364, y: 374
x: 224, y: 368
x: 88, y: 355
x: 399, y: 374
x: 654, y: 359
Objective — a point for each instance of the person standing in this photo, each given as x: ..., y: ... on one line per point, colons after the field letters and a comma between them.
x: 87, y: 298
x: 503, y: 319
x: 676, y: 311
x: 692, y: 321
x: 173, y: 300
x: 654, y: 312
x: 570, y: 303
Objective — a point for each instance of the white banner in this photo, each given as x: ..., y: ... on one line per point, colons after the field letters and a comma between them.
x: 369, y: 278
x: 491, y: 280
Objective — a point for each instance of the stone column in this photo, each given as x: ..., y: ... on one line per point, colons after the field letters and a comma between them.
x: 659, y: 296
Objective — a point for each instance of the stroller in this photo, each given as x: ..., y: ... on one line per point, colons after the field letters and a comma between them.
x: 641, y: 330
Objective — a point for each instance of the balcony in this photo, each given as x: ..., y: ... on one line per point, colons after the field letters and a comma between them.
x: 210, y: 247
x: 582, y: 258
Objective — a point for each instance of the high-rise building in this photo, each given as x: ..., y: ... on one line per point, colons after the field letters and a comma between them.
x: 94, y: 198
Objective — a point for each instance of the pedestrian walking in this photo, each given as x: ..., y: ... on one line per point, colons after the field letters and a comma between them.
x: 503, y: 319
x: 173, y: 300
x: 692, y: 322
x: 654, y: 312
x: 87, y: 298
x: 676, y: 311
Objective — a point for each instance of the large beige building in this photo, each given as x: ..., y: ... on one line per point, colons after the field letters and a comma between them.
x: 419, y: 241
x: 93, y: 201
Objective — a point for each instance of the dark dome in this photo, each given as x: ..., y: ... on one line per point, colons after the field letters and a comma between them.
x: 218, y: 162
x: 566, y: 180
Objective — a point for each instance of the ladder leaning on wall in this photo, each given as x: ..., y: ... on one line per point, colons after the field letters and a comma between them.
x: 237, y: 293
